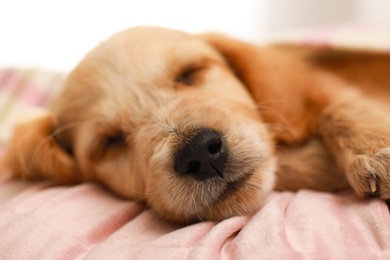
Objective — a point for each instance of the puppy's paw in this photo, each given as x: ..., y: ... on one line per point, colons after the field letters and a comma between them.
x: 369, y: 175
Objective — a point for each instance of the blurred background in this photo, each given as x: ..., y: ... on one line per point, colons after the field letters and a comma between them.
x: 56, y: 34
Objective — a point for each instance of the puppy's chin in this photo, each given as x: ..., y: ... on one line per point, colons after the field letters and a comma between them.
x: 245, y: 199
x: 218, y: 200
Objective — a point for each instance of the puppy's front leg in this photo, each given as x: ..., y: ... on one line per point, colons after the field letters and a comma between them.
x: 357, y: 131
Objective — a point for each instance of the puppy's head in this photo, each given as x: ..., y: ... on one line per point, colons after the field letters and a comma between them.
x: 160, y: 116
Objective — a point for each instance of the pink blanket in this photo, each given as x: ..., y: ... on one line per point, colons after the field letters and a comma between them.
x: 39, y: 221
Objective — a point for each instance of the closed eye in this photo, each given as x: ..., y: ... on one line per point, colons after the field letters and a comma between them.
x: 187, y: 76
x: 108, y: 144
x: 191, y: 75
x: 115, y: 141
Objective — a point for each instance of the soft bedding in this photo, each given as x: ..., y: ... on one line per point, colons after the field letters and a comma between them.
x: 40, y: 221
x: 43, y: 221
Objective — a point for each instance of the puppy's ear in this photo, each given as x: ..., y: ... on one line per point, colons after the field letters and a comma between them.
x: 269, y: 74
x: 34, y: 153
x: 243, y: 58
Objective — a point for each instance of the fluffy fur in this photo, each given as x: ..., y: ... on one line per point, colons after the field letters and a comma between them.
x: 288, y: 121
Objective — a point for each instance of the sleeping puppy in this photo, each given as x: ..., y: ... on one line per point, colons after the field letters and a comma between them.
x: 203, y: 127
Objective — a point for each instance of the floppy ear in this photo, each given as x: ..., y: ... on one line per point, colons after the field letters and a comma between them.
x: 34, y: 153
x: 243, y: 59
x: 279, y: 82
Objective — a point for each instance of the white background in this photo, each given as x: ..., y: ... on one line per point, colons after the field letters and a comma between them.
x: 56, y: 34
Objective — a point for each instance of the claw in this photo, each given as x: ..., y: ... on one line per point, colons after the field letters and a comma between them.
x: 372, y: 183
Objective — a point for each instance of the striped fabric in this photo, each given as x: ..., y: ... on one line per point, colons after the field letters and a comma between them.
x: 24, y: 90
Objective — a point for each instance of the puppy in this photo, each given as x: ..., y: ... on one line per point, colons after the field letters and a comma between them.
x: 203, y: 127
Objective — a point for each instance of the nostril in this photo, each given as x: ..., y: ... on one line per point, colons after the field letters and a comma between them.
x: 203, y: 156
x: 215, y: 147
x: 193, y: 167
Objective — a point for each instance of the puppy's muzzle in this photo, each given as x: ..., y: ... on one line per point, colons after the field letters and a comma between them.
x: 203, y: 157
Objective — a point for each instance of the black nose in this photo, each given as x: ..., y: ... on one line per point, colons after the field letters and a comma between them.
x: 203, y: 157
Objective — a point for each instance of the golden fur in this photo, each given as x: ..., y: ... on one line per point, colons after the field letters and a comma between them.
x: 288, y: 121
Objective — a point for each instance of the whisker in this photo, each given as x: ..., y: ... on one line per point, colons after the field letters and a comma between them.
x: 274, y: 112
x: 270, y: 101
x: 284, y: 124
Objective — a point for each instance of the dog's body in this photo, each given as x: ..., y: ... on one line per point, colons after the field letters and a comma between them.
x: 204, y: 127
